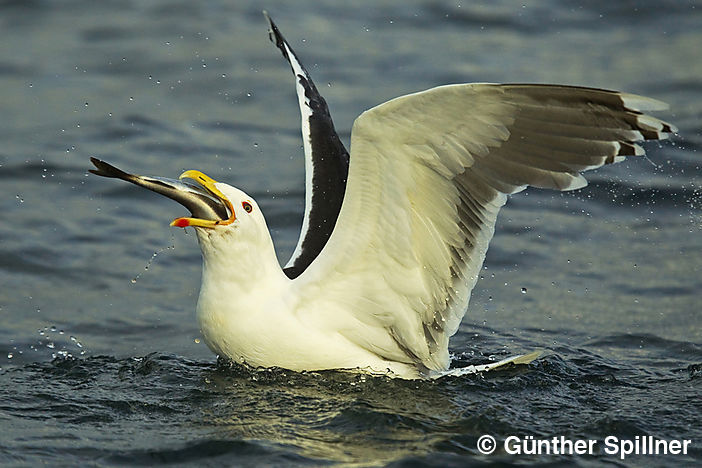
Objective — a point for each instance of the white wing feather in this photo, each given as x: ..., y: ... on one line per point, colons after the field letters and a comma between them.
x: 428, y: 175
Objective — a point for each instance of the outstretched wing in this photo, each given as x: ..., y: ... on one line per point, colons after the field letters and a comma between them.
x: 428, y: 174
x: 326, y: 163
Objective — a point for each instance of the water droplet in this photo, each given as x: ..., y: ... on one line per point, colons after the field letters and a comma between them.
x: 524, y: 290
x: 72, y: 338
x: 50, y: 345
x: 10, y: 355
x: 53, y: 328
x: 197, y: 340
x: 86, y: 104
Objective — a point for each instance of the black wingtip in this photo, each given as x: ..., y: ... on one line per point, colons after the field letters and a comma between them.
x: 272, y: 28
x: 275, y: 36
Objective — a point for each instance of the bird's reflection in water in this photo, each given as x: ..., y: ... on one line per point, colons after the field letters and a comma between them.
x: 329, y: 415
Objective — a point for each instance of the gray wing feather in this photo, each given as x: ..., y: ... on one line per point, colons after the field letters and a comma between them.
x: 428, y: 175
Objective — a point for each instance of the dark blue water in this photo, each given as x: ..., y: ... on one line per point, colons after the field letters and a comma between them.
x: 100, y: 355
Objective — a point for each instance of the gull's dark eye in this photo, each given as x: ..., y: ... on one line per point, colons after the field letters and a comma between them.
x: 247, y: 206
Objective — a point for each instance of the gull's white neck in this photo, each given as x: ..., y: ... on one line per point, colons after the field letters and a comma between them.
x: 238, y: 261
x: 240, y: 276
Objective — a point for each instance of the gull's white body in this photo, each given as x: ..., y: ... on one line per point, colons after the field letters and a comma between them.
x: 428, y: 174
x: 250, y: 312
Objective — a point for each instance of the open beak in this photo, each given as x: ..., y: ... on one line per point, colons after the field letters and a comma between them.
x: 208, y: 183
x: 208, y: 206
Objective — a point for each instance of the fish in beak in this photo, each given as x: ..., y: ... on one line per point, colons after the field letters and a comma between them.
x: 208, y: 206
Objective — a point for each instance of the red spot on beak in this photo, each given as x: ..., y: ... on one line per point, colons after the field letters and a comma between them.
x: 181, y: 222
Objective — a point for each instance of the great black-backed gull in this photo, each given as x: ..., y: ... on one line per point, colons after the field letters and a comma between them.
x: 395, y: 235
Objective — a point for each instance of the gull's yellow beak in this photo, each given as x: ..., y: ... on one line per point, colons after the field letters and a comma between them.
x: 208, y: 183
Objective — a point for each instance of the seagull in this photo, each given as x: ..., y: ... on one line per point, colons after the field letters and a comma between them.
x: 395, y: 232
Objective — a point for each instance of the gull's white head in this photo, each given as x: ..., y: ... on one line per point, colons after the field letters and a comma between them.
x: 243, y: 211
x: 242, y: 238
